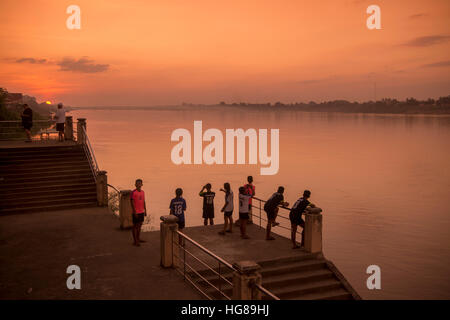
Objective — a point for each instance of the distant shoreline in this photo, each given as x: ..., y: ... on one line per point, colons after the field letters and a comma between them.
x: 322, y: 108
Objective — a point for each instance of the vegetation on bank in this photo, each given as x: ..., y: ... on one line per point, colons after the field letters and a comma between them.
x: 13, y: 113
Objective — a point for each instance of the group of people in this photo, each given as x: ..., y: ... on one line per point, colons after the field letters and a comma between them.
x: 27, y: 121
x: 246, y: 193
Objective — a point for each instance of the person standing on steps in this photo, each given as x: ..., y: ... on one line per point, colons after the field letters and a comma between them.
x: 295, y: 216
x: 60, y: 120
x: 139, y: 209
x: 27, y: 121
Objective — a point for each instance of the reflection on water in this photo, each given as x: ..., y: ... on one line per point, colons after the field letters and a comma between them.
x: 382, y: 181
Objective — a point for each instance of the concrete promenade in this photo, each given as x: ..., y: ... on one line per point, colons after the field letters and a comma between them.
x: 37, y: 248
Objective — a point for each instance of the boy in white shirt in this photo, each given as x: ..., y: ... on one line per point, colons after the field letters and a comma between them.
x: 227, y: 209
x: 60, y: 120
x: 243, y: 211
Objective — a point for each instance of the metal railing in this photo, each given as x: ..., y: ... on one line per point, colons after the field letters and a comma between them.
x: 260, y: 209
x: 89, y: 151
x: 265, y: 291
x: 219, y: 271
x: 12, y: 130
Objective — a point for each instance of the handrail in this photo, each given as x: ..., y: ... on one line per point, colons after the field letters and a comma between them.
x: 265, y: 291
x: 279, y: 215
x: 90, y: 154
x: 113, y: 188
x: 229, y: 265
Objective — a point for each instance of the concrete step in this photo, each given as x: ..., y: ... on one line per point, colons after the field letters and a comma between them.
x: 54, y: 182
x: 43, y: 154
x: 293, y: 266
x: 13, y: 174
x: 43, y: 166
x: 338, y: 294
x: 47, y: 179
x: 49, y: 207
x: 294, y: 269
x: 273, y: 282
x: 40, y: 150
x: 298, y: 289
x: 44, y: 190
x: 46, y: 158
x: 29, y: 198
x: 303, y: 256
x: 58, y: 201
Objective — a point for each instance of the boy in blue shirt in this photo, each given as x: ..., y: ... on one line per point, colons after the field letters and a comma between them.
x: 177, y: 207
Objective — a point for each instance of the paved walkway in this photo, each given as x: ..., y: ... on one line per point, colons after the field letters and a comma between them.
x: 36, y: 249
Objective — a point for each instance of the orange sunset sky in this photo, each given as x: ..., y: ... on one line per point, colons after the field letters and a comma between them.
x: 136, y: 52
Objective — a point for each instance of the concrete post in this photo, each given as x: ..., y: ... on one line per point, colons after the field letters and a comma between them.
x: 125, y: 210
x: 102, y: 189
x: 68, y: 128
x: 313, y: 230
x: 80, y: 133
x: 246, y: 274
x: 168, y: 240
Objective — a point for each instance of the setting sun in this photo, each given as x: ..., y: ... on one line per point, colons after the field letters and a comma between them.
x: 48, y: 102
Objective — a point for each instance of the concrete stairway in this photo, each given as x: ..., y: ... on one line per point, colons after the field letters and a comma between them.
x: 45, y: 178
x: 304, y: 277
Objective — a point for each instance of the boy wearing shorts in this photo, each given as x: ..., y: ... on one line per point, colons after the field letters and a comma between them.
x: 177, y: 207
x: 296, y: 217
x: 243, y: 212
x: 139, y: 211
x: 208, y: 204
x: 227, y: 209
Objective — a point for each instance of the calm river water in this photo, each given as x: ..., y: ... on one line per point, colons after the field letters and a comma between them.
x: 383, y: 182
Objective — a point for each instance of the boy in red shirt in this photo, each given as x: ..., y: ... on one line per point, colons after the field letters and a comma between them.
x: 139, y: 211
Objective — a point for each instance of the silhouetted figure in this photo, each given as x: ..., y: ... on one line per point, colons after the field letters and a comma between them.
x: 208, y: 204
x: 250, y: 190
x: 296, y: 217
x: 139, y: 211
x: 227, y: 209
x: 177, y: 207
x: 60, y: 120
x: 271, y: 208
x: 27, y: 121
x: 243, y: 212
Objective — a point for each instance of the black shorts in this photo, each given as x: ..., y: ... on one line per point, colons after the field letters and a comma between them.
x: 228, y: 213
x: 296, y: 219
x: 271, y: 213
x: 181, y: 225
x: 138, y: 218
x: 243, y: 216
x: 60, y: 127
x: 208, y: 213
x: 27, y: 125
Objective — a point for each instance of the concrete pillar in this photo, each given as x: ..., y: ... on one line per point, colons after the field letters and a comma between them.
x: 80, y: 134
x: 68, y: 128
x: 246, y: 274
x: 102, y: 189
x: 168, y: 241
x: 313, y: 230
x: 125, y: 210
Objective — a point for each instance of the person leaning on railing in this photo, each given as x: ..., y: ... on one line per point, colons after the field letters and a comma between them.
x: 295, y: 216
x: 271, y: 208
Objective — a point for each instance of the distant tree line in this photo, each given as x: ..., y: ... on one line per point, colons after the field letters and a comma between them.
x: 387, y: 105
